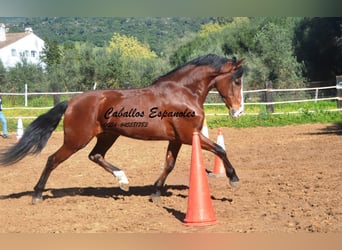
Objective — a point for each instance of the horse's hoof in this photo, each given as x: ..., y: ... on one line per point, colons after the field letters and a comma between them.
x: 124, y: 187
x: 36, y: 200
x: 155, y: 198
x: 235, y: 185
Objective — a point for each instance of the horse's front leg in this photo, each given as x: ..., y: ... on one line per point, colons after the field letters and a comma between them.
x: 209, y: 145
x: 170, y: 160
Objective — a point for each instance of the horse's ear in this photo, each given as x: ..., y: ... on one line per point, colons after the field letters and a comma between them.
x: 239, y: 63
x: 227, y: 67
x: 231, y: 64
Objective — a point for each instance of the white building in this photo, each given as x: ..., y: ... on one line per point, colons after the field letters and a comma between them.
x: 14, y: 47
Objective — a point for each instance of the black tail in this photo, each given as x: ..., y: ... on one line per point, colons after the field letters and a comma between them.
x: 35, y: 137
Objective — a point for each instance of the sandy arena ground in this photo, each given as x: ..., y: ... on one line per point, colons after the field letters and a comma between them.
x: 290, y: 182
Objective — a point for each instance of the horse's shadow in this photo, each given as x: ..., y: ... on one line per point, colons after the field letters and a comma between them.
x: 105, y: 192
x: 334, y: 129
x: 112, y: 192
x: 99, y: 192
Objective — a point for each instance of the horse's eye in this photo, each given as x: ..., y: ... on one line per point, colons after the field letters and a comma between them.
x: 237, y: 82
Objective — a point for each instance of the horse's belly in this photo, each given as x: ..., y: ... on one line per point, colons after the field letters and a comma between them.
x: 143, y: 130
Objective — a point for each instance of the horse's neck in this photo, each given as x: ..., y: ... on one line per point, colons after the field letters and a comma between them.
x: 199, y: 83
x: 194, y: 79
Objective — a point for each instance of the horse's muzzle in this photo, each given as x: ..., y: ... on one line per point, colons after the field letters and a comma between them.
x: 236, y: 112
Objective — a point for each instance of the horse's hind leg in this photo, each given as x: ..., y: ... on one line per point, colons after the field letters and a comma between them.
x: 104, y: 142
x: 171, y: 157
x: 53, y: 161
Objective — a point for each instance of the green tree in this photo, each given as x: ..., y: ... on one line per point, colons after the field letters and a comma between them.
x: 265, y: 43
x: 130, y: 47
x: 319, y: 45
x: 25, y: 73
x: 87, y: 65
x: 274, y: 46
x: 70, y: 66
x: 51, y: 54
x: 185, y: 52
x: 108, y: 69
x: 126, y: 62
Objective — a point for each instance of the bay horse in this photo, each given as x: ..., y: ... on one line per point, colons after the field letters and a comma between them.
x: 171, y: 109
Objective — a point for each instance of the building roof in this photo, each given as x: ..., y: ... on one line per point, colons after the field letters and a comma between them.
x: 13, y: 37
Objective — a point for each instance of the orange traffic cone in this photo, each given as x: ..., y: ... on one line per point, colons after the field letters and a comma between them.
x: 200, y: 211
x: 205, y: 130
x: 20, y: 129
x: 219, y: 169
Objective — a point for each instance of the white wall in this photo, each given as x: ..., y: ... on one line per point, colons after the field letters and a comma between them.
x: 2, y: 32
x: 30, y: 47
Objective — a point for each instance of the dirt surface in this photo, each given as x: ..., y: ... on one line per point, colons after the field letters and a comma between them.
x: 290, y: 182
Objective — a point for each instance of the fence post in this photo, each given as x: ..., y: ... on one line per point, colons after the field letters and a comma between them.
x: 55, y: 88
x: 339, y: 91
x: 25, y: 98
x: 316, y: 94
x: 269, y: 96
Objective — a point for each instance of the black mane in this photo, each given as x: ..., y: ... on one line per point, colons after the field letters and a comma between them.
x: 212, y: 60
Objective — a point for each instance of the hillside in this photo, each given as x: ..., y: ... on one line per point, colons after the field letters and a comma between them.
x: 160, y: 33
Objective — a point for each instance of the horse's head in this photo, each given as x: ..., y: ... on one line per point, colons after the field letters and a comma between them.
x: 228, y: 83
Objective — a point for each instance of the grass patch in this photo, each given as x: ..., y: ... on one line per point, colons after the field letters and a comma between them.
x: 286, y: 107
x: 264, y: 119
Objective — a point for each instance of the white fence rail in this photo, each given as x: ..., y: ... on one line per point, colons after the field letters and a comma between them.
x: 315, y: 99
x: 251, y: 97
x: 287, y: 96
x: 284, y: 96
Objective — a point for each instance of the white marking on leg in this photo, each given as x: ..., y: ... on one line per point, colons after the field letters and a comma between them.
x: 122, y: 178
